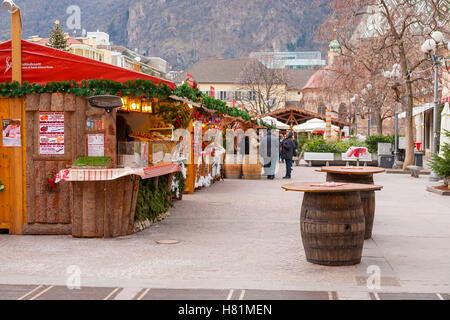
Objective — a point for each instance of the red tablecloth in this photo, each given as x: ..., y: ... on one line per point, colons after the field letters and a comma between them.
x: 357, y: 152
x: 112, y: 174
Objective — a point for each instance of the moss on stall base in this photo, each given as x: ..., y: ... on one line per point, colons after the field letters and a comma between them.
x: 155, y: 198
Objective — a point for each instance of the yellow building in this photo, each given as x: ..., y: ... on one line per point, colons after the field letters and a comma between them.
x: 236, y: 82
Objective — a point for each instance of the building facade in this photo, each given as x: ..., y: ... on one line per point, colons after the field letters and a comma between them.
x: 224, y: 79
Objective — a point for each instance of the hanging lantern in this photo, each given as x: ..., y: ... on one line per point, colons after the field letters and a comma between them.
x: 125, y: 106
x: 135, y: 105
x: 147, y: 106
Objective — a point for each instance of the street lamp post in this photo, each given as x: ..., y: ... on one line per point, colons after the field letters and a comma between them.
x: 396, y: 150
x: 353, y: 104
x: 395, y: 74
x: 366, y: 91
x: 431, y: 48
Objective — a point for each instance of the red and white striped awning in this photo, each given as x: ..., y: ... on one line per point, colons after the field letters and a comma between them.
x: 113, y: 174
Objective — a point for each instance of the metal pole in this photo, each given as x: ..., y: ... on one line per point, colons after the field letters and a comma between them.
x: 396, y: 136
x: 435, y: 60
x: 368, y: 122
x: 436, y: 104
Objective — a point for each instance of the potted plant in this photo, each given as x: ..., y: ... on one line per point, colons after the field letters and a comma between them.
x: 441, y: 163
x: 321, y: 150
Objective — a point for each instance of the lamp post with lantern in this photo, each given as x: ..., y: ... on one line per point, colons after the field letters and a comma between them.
x: 395, y: 74
x: 354, y: 106
x: 431, y: 48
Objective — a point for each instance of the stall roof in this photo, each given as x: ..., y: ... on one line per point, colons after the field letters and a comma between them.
x: 41, y: 64
x: 296, y: 115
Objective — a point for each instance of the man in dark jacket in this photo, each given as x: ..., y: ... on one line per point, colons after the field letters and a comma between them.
x: 295, y: 146
x: 288, y: 153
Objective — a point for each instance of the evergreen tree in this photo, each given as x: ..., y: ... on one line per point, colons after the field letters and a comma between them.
x: 57, y: 38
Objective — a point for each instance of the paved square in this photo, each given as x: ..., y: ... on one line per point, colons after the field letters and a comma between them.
x: 245, y: 235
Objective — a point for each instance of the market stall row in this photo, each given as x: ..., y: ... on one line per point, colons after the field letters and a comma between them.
x: 51, y: 132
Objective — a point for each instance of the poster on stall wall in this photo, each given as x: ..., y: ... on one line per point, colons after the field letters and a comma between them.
x: 96, y: 145
x: 51, y: 133
x: 11, y: 133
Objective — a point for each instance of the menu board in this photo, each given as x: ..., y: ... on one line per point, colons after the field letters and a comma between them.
x: 96, y: 145
x: 51, y: 133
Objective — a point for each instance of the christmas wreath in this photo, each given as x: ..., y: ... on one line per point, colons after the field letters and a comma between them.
x: 50, y: 184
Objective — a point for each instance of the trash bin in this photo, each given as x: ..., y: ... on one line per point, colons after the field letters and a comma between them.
x: 418, y: 159
x: 386, y: 161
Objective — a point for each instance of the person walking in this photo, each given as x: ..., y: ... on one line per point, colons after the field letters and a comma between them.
x: 295, y: 145
x: 269, y: 151
x: 288, y: 148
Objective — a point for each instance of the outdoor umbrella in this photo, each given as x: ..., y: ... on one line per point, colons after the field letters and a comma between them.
x: 445, y: 125
x: 278, y: 124
x: 313, y: 125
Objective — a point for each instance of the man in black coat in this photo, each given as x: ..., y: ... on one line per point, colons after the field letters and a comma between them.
x: 288, y: 148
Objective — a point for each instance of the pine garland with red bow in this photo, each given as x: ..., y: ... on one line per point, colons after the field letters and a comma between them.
x: 50, y: 184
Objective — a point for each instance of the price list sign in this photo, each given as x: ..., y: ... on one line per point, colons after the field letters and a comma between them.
x: 51, y: 133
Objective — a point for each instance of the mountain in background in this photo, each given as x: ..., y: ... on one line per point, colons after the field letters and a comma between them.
x: 184, y: 31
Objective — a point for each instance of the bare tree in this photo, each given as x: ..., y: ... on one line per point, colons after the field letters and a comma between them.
x: 261, y: 88
x: 394, y: 31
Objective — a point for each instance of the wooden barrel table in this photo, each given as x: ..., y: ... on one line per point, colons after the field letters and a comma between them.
x: 363, y: 175
x: 232, y: 166
x: 252, y: 167
x: 332, y: 221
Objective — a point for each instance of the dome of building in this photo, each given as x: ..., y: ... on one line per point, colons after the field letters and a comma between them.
x: 335, y: 45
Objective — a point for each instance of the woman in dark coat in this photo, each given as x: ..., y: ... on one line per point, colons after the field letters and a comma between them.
x: 287, y: 152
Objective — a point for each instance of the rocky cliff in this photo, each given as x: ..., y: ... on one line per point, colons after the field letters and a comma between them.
x: 184, y: 31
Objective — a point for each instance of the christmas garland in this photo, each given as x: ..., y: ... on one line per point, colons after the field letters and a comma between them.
x: 133, y: 88
x: 86, y: 88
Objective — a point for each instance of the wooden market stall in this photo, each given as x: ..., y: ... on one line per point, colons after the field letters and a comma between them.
x: 57, y: 126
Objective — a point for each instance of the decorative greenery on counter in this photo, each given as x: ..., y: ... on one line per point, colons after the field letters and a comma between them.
x: 92, y: 162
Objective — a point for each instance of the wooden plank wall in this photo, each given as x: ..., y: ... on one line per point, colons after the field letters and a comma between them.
x: 12, y: 173
x: 105, y: 209
x: 50, y: 212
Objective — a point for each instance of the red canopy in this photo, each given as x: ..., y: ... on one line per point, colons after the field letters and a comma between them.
x: 41, y: 64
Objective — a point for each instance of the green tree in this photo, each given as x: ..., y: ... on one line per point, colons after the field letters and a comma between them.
x: 57, y: 38
x: 441, y: 164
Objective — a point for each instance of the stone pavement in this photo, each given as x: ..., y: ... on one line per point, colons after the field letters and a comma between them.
x: 241, y: 240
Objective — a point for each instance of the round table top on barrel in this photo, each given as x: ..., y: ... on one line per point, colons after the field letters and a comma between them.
x: 326, y: 187
x: 353, y: 170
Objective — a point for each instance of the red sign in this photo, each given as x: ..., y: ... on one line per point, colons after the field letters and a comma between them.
x: 234, y: 103
x: 212, y: 92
